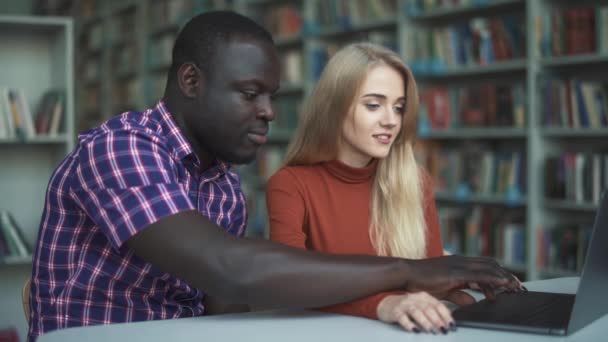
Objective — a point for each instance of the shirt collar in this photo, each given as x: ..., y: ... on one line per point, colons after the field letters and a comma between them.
x: 179, y: 143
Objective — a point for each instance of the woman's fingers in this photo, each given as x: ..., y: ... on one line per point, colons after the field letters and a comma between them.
x: 406, y: 323
x: 423, y: 321
x: 433, y: 315
x: 417, y: 312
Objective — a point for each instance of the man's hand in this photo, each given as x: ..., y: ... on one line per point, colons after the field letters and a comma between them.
x: 447, y: 273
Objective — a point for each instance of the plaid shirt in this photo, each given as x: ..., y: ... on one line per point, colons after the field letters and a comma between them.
x: 123, y: 176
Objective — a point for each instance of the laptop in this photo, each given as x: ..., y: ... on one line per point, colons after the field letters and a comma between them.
x: 551, y: 313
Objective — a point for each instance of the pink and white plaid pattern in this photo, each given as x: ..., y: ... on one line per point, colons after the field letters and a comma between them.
x: 123, y: 176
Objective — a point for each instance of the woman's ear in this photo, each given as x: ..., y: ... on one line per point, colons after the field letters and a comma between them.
x: 190, y: 80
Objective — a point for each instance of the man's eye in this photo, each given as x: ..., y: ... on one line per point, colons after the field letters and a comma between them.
x: 250, y: 95
x: 372, y: 106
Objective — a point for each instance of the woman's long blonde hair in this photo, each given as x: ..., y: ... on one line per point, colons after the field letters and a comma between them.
x: 397, y: 224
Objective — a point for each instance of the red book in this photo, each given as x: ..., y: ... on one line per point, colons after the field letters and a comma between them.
x: 9, y: 335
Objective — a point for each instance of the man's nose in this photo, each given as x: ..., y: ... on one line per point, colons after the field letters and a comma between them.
x: 266, y: 111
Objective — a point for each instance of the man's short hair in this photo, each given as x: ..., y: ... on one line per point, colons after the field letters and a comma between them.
x: 197, y: 42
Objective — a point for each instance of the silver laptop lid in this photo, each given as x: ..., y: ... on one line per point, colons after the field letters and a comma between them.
x: 591, y: 301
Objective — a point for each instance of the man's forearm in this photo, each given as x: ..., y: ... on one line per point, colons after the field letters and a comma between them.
x: 260, y: 273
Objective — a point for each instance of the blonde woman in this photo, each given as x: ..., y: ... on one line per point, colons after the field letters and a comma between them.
x: 351, y: 185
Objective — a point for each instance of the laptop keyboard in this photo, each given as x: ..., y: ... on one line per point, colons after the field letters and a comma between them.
x: 527, y: 308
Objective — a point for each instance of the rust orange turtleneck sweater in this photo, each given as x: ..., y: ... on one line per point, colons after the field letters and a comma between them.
x: 325, y: 207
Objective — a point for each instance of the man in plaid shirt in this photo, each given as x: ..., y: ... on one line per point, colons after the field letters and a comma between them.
x: 144, y: 219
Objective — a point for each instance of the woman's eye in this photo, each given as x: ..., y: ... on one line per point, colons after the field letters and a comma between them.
x: 372, y: 106
x: 400, y: 110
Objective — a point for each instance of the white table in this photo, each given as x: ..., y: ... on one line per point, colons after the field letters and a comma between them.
x: 309, y: 326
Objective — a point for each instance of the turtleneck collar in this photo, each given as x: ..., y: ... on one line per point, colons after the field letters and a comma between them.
x: 351, y: 174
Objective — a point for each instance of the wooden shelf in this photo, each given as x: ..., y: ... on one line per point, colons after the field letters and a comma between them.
x: 389, y: 23
x: 498, y: 68
x: 574, y: 60
x: 480, y: 199
x: 557, y: 273
x: 477, y: 133
x: 37, y: 140
x: 284, y: 42
x: 16, y: 260
x: 163, y: 30
x: 565, y: 132
x: 290, y: 89
x: 570, y: 205
x: 278, y: 136
x: 493, y: 7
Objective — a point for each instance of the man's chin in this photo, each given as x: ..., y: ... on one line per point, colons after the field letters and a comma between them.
x: 240, y: 159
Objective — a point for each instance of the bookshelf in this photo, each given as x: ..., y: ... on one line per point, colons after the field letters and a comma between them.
x: 124, y: 52
x: 522, y: 207
x: 521, y: 137
x: 37, y: 56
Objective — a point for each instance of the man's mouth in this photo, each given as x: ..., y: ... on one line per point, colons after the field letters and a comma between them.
x: 257, y: 138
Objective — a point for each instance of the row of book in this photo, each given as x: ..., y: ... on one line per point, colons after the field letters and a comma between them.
x: 444, y: 108
x: 165, y: 13
x: 287, y: 109
x: 92, y: 37
x: 562, y: 246
x: 269, y: 160
x: 574, y: 103
x: 483, y: 231
x: 126, y: 94
x: 257, y: 223
x: 321, y: 52
x: 161, y: 49
x: 281, y: 20
x: 418, y: 7
x: 125, y: 58
x: 345, y: 14
x: 121, y: 30
x: 576, y: 176
x: 571, y: 31
x: 292, y: 67
x: 9, y: 334
x: 475, y: 169
x: 17, y: 120
x: 12, y: 241
x: 481, y: 41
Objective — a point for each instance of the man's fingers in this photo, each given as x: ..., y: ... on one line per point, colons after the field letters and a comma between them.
x: 460, y: 298
x: 488, y: 292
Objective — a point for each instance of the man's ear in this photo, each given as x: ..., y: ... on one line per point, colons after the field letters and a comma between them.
x: 189, y: 78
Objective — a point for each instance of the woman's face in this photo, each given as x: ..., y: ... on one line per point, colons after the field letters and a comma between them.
x: 374, y: 122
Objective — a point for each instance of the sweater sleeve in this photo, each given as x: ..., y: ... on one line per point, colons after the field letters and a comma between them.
x: 285, y: 200
x: 434, y: 241
x: 286, y: 210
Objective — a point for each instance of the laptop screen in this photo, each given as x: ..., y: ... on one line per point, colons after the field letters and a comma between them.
x: 591, y: 300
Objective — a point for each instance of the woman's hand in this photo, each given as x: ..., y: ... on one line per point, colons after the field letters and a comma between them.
x: 416, y: 311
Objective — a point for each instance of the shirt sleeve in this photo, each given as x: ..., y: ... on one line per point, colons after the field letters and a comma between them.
x: 434, y: 241
x: 125, y: 181
x: 286, y: 205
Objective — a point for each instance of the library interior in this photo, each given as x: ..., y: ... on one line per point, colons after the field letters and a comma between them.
x: 512, y: 124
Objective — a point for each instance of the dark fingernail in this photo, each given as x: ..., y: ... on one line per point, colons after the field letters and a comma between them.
x: 525, y: 289
x: 434, y: 331
x: 452, y: 326
x: 416, y: 330
x: 444, y: 330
